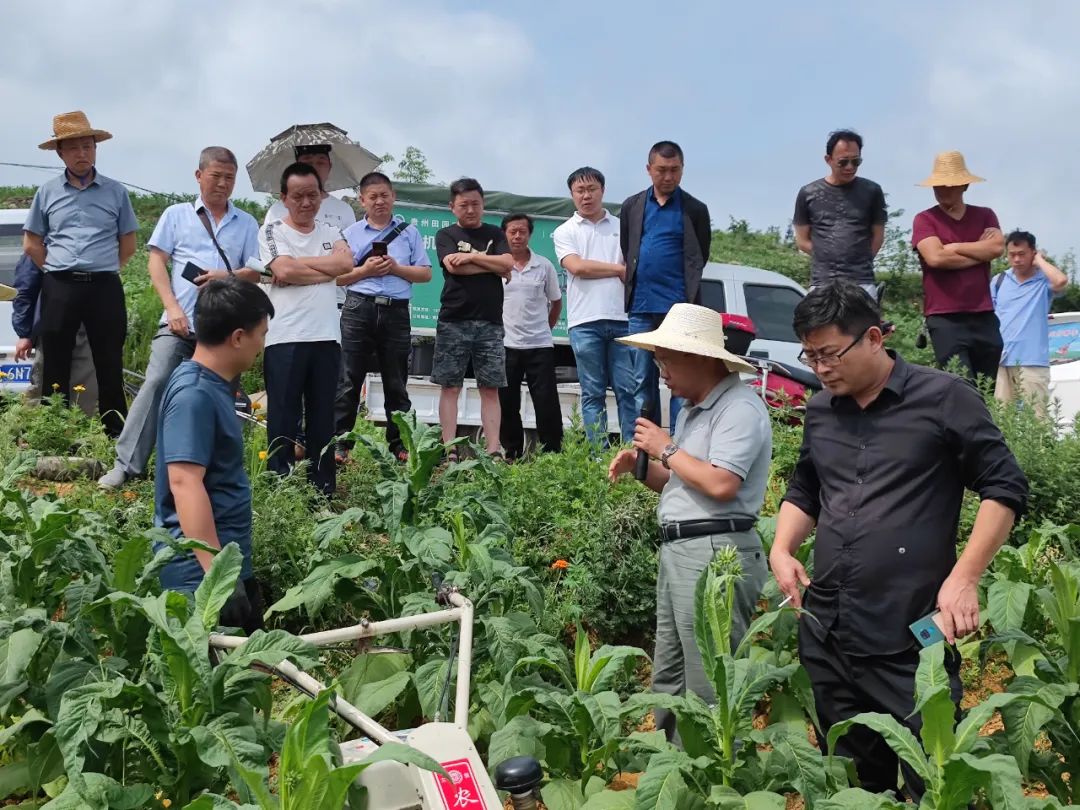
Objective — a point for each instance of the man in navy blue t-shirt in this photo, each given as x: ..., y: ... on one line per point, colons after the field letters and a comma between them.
x: 202, y: 490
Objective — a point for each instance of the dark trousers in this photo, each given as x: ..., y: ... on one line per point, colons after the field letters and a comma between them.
x: 98, y: 306
x: 974, y: 339
x: 537, y: 368
x: 845, y: 685
x: 302, y: 376
x: 383, y: 333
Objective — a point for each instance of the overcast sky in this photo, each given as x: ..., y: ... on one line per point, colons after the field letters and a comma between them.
x: 520, y: 93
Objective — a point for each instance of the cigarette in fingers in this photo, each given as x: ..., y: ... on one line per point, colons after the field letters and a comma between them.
x: 786, y: 600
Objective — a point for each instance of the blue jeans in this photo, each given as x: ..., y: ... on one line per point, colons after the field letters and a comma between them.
x: 604, y: 363
x: 184, y: 573
x: 646, y: 376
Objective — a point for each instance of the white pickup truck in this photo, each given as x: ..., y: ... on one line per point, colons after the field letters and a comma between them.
x: 768, y: 298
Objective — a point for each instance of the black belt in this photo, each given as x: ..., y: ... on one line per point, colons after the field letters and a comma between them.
x: 701, y: 528
x: 381, y: 300
x: 83, y: 275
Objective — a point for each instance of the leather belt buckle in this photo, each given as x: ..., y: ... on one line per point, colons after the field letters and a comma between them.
x: 81, y: 275
x: 383, y: 300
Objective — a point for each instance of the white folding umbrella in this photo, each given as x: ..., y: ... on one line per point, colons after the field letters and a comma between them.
x: 350, y: 160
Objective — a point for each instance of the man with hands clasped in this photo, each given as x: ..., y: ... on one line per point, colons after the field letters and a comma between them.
x: 888, y: 449
x: 711, y: 476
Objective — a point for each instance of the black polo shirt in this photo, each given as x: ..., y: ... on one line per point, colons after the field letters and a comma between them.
x: 885, y: 484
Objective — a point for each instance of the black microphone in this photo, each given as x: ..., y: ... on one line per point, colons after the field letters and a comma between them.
x: 641, y: 466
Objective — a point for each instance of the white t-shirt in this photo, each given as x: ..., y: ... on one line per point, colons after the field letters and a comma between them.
x: 591, y: 299
x: 303, y: 313
x: 332, y: 211
x: 527, y: 299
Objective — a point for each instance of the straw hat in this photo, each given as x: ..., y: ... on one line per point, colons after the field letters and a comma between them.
x: 73, y: 125
x: 7, y: 293
x: 691, y: 329
x: 950, y: 170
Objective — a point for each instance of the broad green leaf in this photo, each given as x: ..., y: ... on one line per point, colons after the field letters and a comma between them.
x: 406, y: 755
x: 430, y: 680
x: 563, y: 794
x: 373, y: 681
x: 128, y: 562
x: 607, y: 664
x: 15, y: 778
x: 729, y: 799
x: 94, y: 790
x: 967, y: 731
x: 16, y: 652
x: 218, y: 584
x: 611, y: 800
x: 522, y: 736
x: 31, y: 718
x: 317, y: 588
x: 81, y: 712
x: 227, y: 740
x: 899, y: 738
x: 1024, y: 718
x: 760, y: 625
x: 662, y: 786
x: 582, y: 653
x: 271, y: 648
x: 1004, y: 785
x: 1006, y: 604
x: 211, y: 801
x: 858, y: 799
x: 807, y: 771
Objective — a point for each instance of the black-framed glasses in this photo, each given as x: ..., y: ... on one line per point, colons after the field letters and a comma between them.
x: 843, y: 163
x: 830, y: 359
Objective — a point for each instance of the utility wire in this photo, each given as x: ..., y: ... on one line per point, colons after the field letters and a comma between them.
x: 129, y: 185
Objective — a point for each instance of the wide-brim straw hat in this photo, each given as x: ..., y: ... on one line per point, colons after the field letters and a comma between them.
x: 950, y: 170
x: 7, y: 293
x: 73, y: 125
x: 691, y: 329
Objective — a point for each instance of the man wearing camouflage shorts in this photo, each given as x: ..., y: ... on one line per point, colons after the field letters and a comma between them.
x: 475, y: 259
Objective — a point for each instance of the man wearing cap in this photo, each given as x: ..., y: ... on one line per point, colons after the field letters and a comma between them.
x: 81, y: 231
x: 956, y: 243
x: 711, y: 476
x: 26, y: 320
x: 218, y: 239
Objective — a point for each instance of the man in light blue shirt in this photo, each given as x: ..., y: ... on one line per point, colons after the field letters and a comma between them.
x: 390, y: 257
x: 183, y: 236
x: 81, y: 231
x: 1022, y: 297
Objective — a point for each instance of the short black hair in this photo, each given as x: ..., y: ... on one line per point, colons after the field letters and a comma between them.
x: 311, y: 149
x: 1016, y: 237
x: 583, y: 174
x: 227, y: 304
x: 298, y: 170
x: 374, y: 179
x: 849, y: 135
x: 463, y: 186
x: 666, y: 149
x: 517, y: 218
x: 843, y: 304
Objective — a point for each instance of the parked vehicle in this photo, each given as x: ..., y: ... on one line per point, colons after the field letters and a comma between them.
x: 1065, y: 366
x: 16, y: 375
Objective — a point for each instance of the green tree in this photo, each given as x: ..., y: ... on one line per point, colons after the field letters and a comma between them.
x: 412, y: 168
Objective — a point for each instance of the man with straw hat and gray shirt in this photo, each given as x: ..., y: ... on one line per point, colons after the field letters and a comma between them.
x: 711, y: 476
x: 956, y: 243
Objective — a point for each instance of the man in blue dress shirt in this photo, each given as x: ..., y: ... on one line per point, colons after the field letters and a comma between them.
x: 217, y: 238
x: 390, y: 257
x: 81, y: 231
x: 666, y: 236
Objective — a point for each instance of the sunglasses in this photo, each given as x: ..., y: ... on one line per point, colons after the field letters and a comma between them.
x: 843, y: 163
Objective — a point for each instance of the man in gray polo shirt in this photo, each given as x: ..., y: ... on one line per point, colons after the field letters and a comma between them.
x: 711, y: 476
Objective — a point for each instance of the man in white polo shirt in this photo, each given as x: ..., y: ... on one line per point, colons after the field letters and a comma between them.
x: 587, y: 245
x: 532, y: 302
x: 303, y: 352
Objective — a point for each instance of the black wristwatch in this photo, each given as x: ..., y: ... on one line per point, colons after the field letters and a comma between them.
x: 665, y: 457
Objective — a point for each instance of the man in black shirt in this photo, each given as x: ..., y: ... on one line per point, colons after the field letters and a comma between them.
x: 840, y: 219
x: 888, y: 448
x: 475, y: 259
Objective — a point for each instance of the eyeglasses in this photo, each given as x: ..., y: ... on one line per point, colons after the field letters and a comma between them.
x: 843, y: 163
x: 830, y: 359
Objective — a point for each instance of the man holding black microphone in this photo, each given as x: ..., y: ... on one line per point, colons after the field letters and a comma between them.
x: 711, y: 476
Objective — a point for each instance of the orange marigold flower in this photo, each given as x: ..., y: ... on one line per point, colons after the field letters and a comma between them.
x: 56, y: 386
x: 560, y: 565
x: 78, y: 389
x: 256, y: 405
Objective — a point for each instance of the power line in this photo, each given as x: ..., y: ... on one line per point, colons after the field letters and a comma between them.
x: 122, y: 182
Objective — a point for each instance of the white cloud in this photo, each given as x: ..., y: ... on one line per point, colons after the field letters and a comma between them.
x: 170, y: 78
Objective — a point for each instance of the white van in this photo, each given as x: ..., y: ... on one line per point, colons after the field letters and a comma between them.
x: 16, y: 376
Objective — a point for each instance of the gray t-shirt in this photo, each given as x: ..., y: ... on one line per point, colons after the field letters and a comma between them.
x: 840, y: 220
x: 730, y: 429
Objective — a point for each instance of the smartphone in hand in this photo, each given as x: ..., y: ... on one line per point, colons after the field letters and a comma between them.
x: 379, y: 248
x: 192, y: 271
x: 926, y: 630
